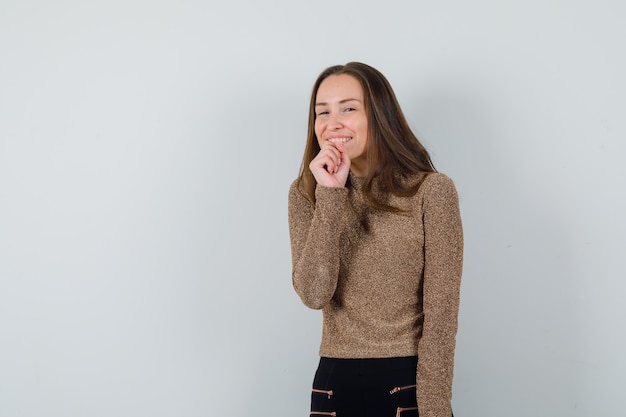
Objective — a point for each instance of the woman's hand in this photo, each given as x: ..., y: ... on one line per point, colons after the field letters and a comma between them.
x: 331, y: 165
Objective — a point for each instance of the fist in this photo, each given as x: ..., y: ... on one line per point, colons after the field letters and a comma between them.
x: 331, y: 165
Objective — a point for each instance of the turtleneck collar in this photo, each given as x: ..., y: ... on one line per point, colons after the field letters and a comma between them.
x: 356, y: 182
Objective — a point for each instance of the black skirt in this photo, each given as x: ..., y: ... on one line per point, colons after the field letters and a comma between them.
x: 380, y: 387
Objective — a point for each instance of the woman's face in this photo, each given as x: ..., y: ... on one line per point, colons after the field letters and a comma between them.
x: 340, y: 117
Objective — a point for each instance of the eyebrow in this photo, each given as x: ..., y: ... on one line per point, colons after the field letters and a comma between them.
x: 340, y: 101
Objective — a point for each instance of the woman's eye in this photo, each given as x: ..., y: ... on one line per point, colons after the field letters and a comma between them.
x: 349, y: 109
x: 321, y: 113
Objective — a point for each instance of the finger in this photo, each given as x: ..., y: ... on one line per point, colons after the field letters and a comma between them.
x: 321, y: 170
x: 330, y: 154
x: 324, y: 161
x: 331, y: 148
x: 343, y: 154
x: 344, y: 167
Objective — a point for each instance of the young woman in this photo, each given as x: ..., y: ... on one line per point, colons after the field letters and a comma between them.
x: 377, y: 244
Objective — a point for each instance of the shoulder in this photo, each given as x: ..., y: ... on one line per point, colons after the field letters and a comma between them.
x: 439, y: 179
x: 297, y: 198
x: 429, y: 182
x: 295, y: 190
x: 295, y: 185
x: 438, y: 186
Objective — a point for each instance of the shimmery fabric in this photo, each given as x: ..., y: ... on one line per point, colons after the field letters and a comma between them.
x: 388, y: 283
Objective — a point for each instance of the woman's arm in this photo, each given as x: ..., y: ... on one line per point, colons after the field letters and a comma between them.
x: 443, y: 263
x: 315, y: 230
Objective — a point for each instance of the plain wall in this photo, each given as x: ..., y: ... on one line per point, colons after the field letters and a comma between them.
x: 146, y: 150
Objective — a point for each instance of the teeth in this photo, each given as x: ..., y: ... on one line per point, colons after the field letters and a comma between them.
x: 342, y: 140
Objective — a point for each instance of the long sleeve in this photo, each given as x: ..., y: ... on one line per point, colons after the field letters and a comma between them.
x: 315, y: 230
x: 443, y: 263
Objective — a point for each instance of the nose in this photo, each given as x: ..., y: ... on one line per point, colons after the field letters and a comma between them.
x: 334, y: 121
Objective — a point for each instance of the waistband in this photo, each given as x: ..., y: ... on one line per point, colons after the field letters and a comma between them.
x: 367, y: 365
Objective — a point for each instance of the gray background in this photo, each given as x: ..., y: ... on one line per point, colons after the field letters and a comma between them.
x: 146, y: 149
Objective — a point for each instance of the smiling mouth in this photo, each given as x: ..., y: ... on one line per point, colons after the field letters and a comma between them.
x: 340, y: 140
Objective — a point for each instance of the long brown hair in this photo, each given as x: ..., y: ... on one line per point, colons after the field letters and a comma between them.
x: 393, y: 152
